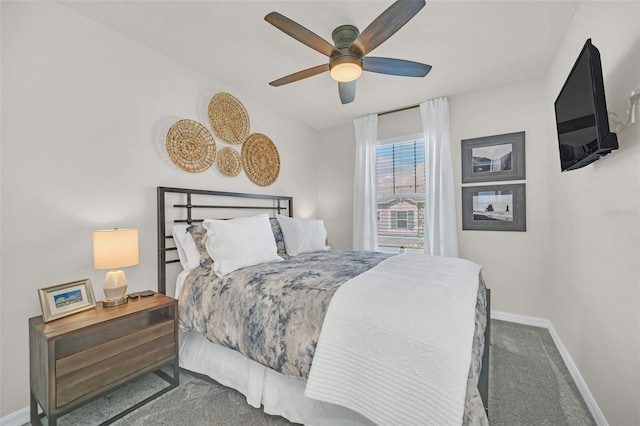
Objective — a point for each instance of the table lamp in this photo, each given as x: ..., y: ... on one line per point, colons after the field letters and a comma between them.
x: 113, y: 249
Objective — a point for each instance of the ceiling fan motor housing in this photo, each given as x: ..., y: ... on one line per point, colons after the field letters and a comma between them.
x: 344, y: 35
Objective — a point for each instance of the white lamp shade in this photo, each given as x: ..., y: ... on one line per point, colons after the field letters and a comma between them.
x: 115, y: 248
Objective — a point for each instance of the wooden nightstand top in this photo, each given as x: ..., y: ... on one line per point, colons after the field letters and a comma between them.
x: 100, y: 314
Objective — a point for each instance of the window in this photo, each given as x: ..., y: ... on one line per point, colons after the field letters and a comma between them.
x: 402, y: 219
x: 400, y: 181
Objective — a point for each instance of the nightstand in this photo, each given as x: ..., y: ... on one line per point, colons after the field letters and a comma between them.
x: 78, y: 358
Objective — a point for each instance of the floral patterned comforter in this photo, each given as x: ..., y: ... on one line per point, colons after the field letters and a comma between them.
x: 272, y: 313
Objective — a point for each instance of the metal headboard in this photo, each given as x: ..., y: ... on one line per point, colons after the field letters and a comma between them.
x: 224, y: 202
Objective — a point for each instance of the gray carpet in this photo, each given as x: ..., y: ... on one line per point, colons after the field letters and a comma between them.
x: 529, y: 385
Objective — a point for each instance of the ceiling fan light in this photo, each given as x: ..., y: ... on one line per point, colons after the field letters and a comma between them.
x: 346, y: 72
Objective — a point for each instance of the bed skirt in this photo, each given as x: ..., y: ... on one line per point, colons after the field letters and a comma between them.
x: 280, y: 395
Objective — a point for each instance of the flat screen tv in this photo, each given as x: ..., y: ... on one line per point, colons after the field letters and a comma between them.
x: 581, y: 113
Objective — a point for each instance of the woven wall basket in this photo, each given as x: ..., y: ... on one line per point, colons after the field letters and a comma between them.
x: 229, y: 161
x: 260, y: 159
x: 228, y: 118
x: 191, y: 146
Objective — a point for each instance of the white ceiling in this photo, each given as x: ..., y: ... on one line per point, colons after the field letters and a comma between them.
x: 472, y: 45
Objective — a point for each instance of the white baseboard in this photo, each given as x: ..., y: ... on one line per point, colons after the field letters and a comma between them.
x: 597, y: 414
x: 17, y: 418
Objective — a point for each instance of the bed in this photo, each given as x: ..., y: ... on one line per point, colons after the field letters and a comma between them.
x: 316, y: 370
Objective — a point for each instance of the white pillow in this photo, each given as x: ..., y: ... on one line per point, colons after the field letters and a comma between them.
x: 236, y: 243
x: 187, y: 250
x: 302, y: 235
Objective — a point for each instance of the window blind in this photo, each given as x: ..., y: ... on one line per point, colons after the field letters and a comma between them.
x: 400, y: 184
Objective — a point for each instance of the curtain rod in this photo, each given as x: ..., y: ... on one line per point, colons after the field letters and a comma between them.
x: 398, y: 110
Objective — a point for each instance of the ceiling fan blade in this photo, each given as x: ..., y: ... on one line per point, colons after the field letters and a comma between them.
x: 392, y: 66
x: 347, y: 92
x: 301, y: 34
x: 310, y: 72
x: 385, y: 25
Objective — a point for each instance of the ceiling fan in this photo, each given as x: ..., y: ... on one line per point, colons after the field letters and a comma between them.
x: 347, y: 59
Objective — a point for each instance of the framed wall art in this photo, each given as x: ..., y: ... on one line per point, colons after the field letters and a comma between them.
x: 494, y: 208
x: 493, y: 158
x: 65, y: 299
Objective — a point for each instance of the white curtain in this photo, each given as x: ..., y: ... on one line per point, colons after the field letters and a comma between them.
x: 364, y: 186
x: 441, y: 236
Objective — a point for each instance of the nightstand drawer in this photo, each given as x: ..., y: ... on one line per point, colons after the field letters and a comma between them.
x: 90, y: 370
x: 88, y: 338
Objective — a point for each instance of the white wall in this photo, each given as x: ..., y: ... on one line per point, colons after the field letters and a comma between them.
x: 401, y: 123
x: 594, y: 219
x: 514, y: 264
x: 336, y: 158
x: 85, y: 113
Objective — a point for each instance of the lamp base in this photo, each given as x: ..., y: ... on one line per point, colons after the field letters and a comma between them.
x: 115, y: 302
x: 115, y: 287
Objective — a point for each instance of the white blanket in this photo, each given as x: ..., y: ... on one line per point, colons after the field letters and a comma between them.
x: 396, y: 341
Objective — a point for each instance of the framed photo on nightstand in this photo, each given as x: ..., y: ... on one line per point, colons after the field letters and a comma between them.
x: 65, y: 299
